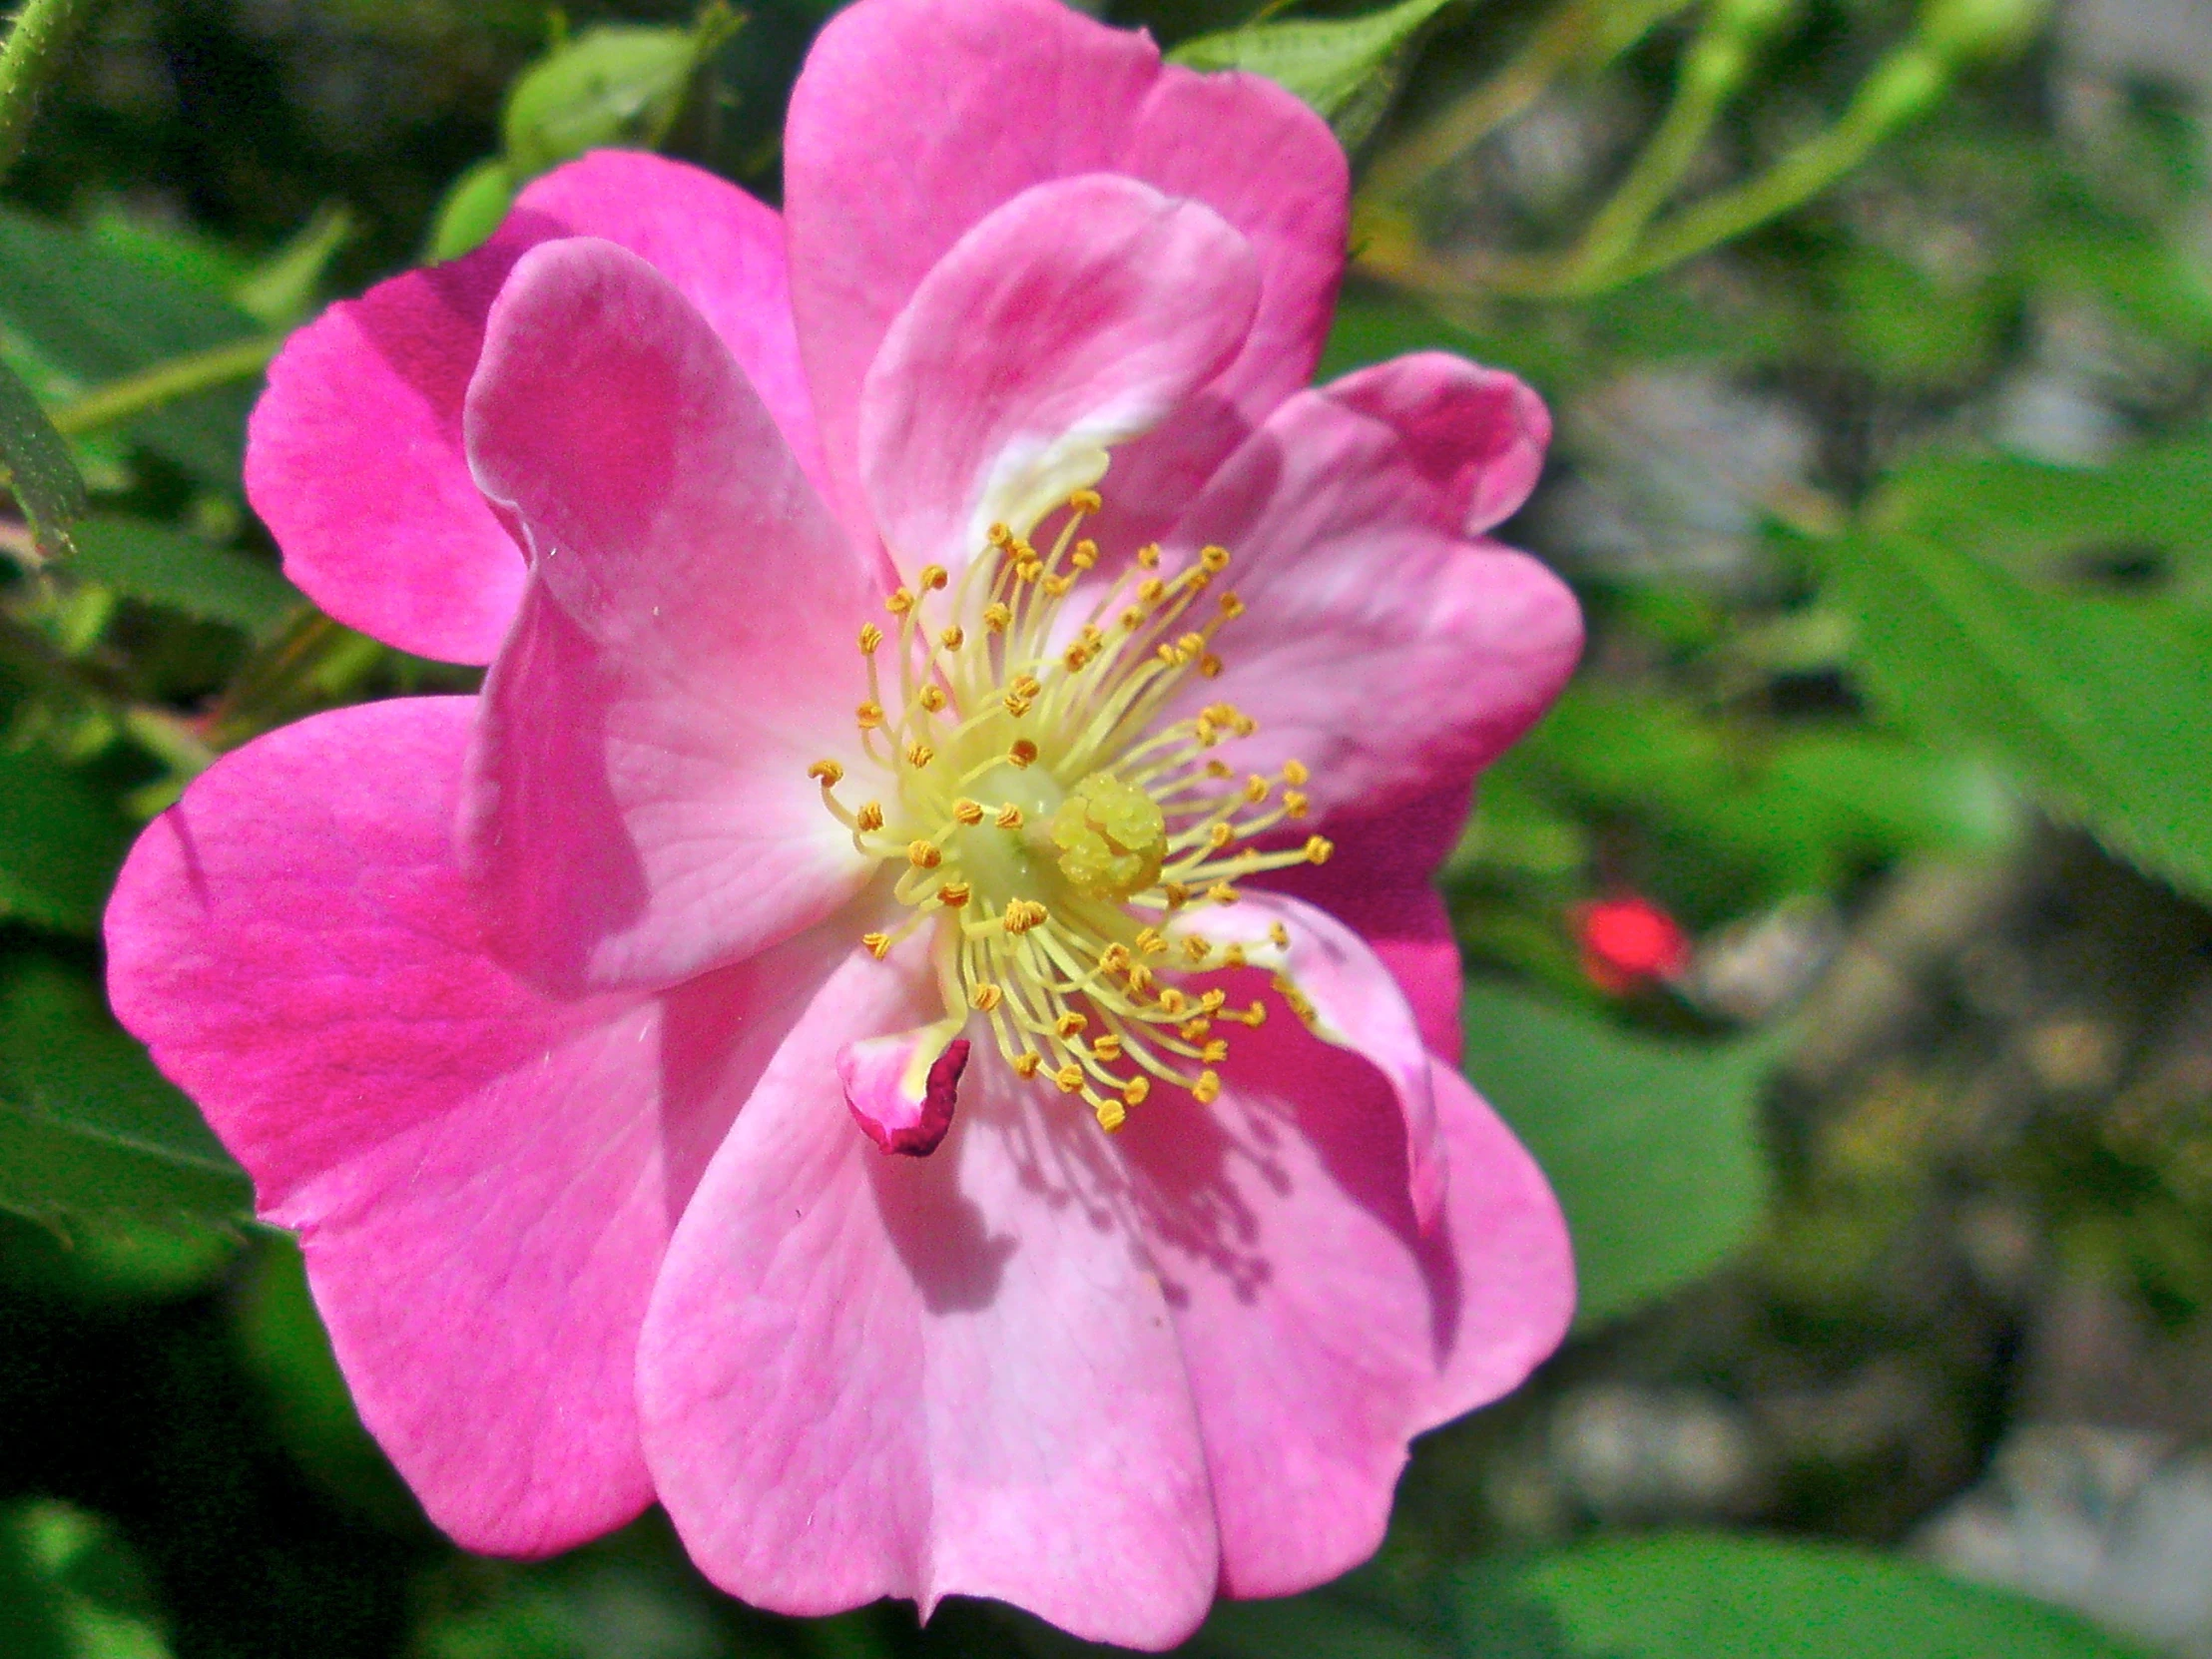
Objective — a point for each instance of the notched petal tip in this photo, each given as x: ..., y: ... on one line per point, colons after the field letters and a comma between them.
x: 902, y: 1089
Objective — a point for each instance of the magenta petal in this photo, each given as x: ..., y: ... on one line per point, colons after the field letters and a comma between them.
x: 903, y: 1089
x: 1355, y: 1004
x: 354, y: 456
x: 1071, y: 320
x: 1378, y: 644
x: 639, y: 806
x: 1321, y: 1327
x: 866, y: 1376
x: 880, y: 183
x: 484, y: 1180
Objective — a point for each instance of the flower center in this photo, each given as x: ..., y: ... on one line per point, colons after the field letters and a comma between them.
x: 1053, y: 824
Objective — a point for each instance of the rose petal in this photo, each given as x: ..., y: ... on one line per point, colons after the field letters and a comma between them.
x: 354, y: 456
x: 1321, y: 1327
x: 640, y: 807
x: 1377, y: 645
x: 880, y: 183
x: 484, y: 1180
x: 866, y: 1375
x: 1070, y: 319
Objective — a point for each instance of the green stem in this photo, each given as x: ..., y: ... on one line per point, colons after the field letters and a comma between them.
x: 42, y: 30
x: 150, y: 389
x: 1901, y: 88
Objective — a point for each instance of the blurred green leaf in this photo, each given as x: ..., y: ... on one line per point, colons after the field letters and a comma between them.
x: 1653, y: 1147
x: 87, y: 1125
x: 471, y: 211
x: 2098, y: 704
x: 70, y: 1588
x: 1690, y: 1596
x: 611, y: 84
x: 35, y: 463
x: 282, y: 290
x: 61, y: 843
x: 163, y: 566
x: 1347, y: 70
x: 1325, y: 1626
x: 96, y: 314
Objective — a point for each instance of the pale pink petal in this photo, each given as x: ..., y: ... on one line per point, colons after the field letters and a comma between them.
x: 921, y: 1377
x: 1355, y: 1004
x: 355, y: 457
x: 1322, y: 1328
x: 638, y: 806
x: 880, y: 180
x: 1069, y: 321
x: 903, y: 1089
x: 1382, y: 882
x: 484, y: 1180
x: 1378, y: 644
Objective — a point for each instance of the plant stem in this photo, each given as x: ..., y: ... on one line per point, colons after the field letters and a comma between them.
x: 150, y: 388
x: 42, y: 30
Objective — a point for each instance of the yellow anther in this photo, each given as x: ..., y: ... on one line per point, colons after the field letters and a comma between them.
x: 1244, y: 725
x: 1010, y: 816
x: 901, y: 602
x: 1151, y: 589
x: 1214, y: 559
x: 1029, y: 570
x: 1221, y: 836
x: 1256, y: 788
x: 996, y: 618
x: 1028, y: 1063
x: 1026, y: 684
x: 1166, y: 654
x: 1317, y: 848
x: 1212, y: 999
x: 1178, y: 894
x: 1023, y: 915
x: 871, y: 637
x: 1294, y: 772
x: 1149, y: 555
x: 1150, y: 942
x: 1231, y: 605
x: 870, y: 815
x: 1114, y: 959
x: 878, y: 945
x: 952, y: 639
x: 1207, y: 1089
x: 1111, y: 1116
x: 1016, y: 704
x: 1107, y: 1048
x: 1075, y: 657
x: 924, y: 854
x: 1220, y: 892
x: 983, y: 998
x: 932, y: 698
x: 1135, y: 1091
x: 968, y: 811
x: 1131, y: 620
x: 1197, y: 948
x: 1280, y: 934
x: 954, y: 894
x: 1085, y: 501
x: 1172, y: 1000
x: 1295, y: 803
x: 1232, y: 955
x: 1208, y: 667
x: 1140, y: 979
x: 1220, y: 768
x: 1193, y: 1029
x: 1070, y: 1024
x: 1253, y: 1016
x: 1069, y: 1077
x: 1058, y: 585
x: 1190, y: 645
x: 935, y: 577
x: 998, y: 535
x: 1215, y: 1051
x: 1085, y: 555
x: 919, y: 754
x: 831, y: 774
x: 1024, y: 752
x: 869, y: 715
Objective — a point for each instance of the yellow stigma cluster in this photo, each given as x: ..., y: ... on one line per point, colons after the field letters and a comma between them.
x: 1021, y: 774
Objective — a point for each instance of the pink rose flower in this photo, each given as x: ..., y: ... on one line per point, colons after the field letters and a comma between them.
x: 858, y: 744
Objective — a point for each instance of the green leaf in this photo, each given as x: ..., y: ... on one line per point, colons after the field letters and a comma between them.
x: 61, y: 843
x: 87, y: 1125
x: 2096, y: 702
x: 611, y: 84
x: 95, y: 315
x: 163, y: 566
x: 1325, y: 1625
x: 473, y: 206
x: 1347, y: 69
x: 1692, y: 1596
x: 35, y: 463
x: 1653, y: 1147
x: 70, y: 1588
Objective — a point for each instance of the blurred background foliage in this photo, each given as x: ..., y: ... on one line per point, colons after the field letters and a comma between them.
x: 1839, y: 943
